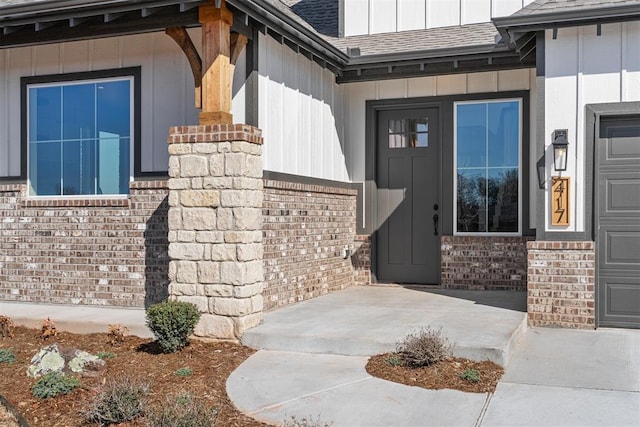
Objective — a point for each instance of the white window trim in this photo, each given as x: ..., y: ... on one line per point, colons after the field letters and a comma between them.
x: 455, y: 168
x: 131, y: 80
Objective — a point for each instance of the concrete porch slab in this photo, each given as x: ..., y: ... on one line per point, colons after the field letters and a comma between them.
x: 363, y: 321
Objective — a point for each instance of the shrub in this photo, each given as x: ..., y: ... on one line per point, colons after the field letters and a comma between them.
x: 120, y: 400
x: 184, y: 372
x: 393, y: 360
x: 54, y: 384
x: 117, y: 333
x: 172, y: 322
x: 106, y: 355
x: 306, y: 422
x: 7, y: 356
x: 182, y: 410
x: 424, y: 347
x: 471, y: 375
x: 6, y: 327
x: 48, y: 329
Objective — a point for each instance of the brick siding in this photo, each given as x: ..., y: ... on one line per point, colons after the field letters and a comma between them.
x: 305, y: 228
x: 85, y: 251
x: 561, y: 284
x: 479, y: 262
x: 361, y: 259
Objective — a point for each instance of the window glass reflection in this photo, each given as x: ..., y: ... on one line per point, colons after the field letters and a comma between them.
x: 487, y: 158
x: 409, y: 133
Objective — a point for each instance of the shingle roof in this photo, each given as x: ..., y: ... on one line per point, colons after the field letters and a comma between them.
x: 556, y: 6
x: 322, y: 15
x: 421, y: 40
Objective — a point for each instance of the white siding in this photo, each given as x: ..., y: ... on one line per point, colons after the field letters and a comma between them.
x: 356, y: 95
x: 584, y: 68
x: 382, y: 16
x: 300, y: 109
x: 167, y: 87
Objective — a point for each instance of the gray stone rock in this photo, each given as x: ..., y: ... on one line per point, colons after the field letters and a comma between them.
x: 56, y: 359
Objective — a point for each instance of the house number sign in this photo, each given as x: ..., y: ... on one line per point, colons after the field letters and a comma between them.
x: 560, y: 201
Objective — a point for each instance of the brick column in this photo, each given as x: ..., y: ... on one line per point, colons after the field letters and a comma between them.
x: 215, y: 225
x: 561, y: 284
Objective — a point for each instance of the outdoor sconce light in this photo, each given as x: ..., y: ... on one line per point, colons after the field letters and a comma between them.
x: 560, y: 147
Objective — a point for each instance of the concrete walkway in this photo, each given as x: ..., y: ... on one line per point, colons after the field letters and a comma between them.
x: 363, y: 321
x: 555, y: 378
x: 79, y: 319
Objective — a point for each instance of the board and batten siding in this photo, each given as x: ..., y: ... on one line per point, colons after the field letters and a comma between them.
x: 300, y: 113
x: 383, y: 16
x: 583, y: 68
x: 356, y: 95
x: 166, y: 87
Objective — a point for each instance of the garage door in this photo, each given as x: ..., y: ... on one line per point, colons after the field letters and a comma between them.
x: 618, y: 221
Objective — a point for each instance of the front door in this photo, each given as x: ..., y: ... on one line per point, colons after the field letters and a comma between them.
x: 408, y: 170
x: 618, y: 221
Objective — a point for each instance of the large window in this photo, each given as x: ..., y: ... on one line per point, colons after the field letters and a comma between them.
x: 488, y: 166
x: 79, y: 136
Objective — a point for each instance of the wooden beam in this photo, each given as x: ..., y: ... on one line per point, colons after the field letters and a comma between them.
x: 181, y: 37
x: 216, y: 60
x: 238, y: 42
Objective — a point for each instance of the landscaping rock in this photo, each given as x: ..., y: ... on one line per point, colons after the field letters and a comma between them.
x: 54, y: 359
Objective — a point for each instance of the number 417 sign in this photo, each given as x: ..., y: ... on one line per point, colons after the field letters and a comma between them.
x: 560, y: 201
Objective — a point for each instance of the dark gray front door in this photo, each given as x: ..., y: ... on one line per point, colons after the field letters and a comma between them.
x: 408, y: 242
x: 618, y: 221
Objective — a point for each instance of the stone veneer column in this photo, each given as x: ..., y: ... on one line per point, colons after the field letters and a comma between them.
x: 215, y: 225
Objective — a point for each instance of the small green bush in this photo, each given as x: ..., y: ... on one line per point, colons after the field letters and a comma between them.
x: 54, y: 384
x: 120, y: 400
x: 172, y: 322
x: 471, y: 375
x: 106, y: 355
x: 393, y: 360
x: 7, y: 356
x: 182, y: 410
x: 184, y: 372
x: 424, y: 347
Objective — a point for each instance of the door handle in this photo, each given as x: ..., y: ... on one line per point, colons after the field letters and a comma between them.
x: 435, y: 224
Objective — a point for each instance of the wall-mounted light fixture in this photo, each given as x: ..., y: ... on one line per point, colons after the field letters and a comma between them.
x: 560, y: 148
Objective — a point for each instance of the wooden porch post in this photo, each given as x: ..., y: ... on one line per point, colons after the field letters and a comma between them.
x: 216, y: 65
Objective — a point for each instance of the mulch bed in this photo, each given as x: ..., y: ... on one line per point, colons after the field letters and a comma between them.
x: 211, y: 364
x: 444, y: 374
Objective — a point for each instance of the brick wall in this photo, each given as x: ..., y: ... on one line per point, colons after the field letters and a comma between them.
x: 493, y: 263
x: 561, y: 284
x: 85, y: 251
x: 305, y: 228
x: 361, y: 259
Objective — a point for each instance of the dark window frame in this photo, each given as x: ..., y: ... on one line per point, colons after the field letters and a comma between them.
x: 521, y: 189
x: 445, y: 104
x: 135, y: 72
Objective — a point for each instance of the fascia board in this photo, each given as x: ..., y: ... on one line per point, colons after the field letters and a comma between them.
x: 291, y: 29
x: 567, y: 18
x: 434, y: 54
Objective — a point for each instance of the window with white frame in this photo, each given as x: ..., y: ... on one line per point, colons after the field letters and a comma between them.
x: 79, y: 136
x: 487, y: 158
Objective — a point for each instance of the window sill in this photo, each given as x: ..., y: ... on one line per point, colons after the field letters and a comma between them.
x: 112, y: 202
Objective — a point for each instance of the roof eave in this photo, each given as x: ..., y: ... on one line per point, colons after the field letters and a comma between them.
x: 431, y: 54
x: 272, y: 17
x: 567, y: 18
